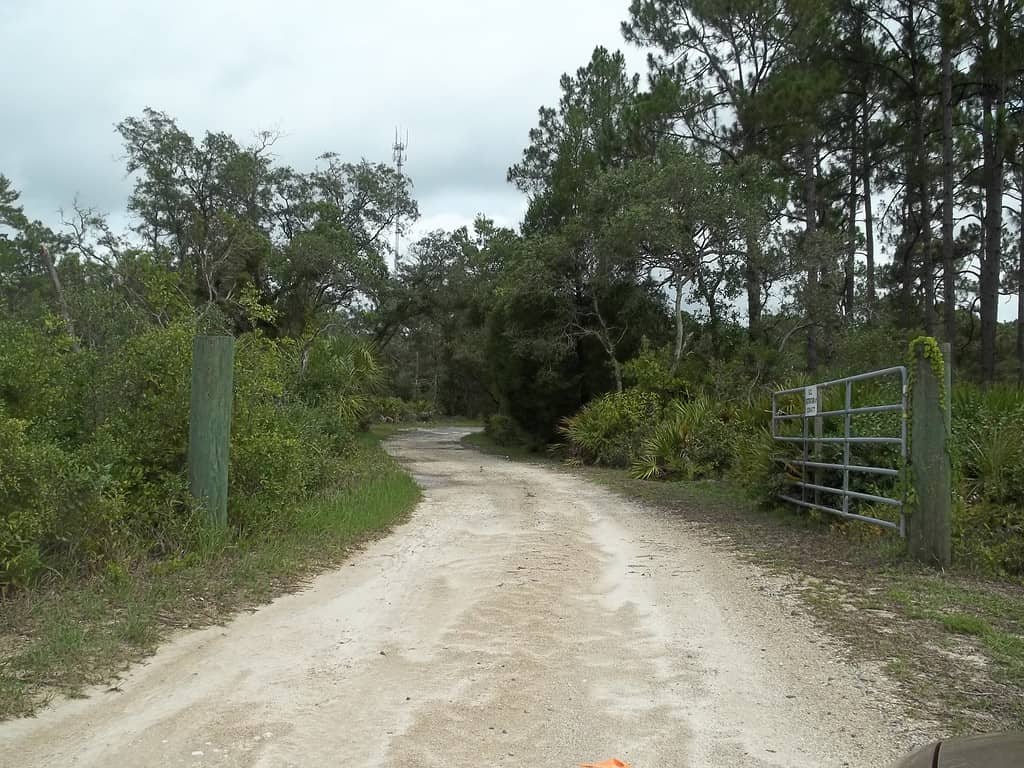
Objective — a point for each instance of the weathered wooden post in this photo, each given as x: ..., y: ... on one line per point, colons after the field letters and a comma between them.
x: 209, y: 433
x: 819, y: 450
x: 930, y: 525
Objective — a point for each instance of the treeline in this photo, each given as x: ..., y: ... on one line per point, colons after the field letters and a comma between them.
x: 96, y: 333
x: 909, y: 104
x: 821, y: 178
x: 796, y: 189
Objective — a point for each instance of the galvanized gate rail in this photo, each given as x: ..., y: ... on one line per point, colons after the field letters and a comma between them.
x: 811, y: 413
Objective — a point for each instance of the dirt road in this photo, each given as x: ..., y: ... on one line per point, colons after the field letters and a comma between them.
x: 523, y: 617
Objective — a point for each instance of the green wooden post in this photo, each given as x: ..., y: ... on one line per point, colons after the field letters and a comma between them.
x: 929, y: 527
x: 209, y: 434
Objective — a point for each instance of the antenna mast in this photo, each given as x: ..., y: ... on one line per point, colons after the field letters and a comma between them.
x: 400, y: 154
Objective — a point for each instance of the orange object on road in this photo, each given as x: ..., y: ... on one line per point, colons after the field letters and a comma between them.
x: 613, y: 763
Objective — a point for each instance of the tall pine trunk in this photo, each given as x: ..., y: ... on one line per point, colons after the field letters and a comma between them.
x: 927, y: 262
x: 948, y: 264
x: 869, y: 220
x: 752, y: 278
x: 752, y: 268
x: 1020, y: 291
x: 914, y: 240
x: 995, y: 67
x: 924, y: 211
x: 850, y: 287
x: 811, y: 203
x: 905, y: 272
x: 991, y: 252
x: 677, y: 352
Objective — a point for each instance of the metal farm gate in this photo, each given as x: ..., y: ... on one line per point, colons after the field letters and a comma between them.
x: 812, y: 484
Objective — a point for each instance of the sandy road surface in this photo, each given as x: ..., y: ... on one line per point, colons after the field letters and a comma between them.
x: 523, y: 617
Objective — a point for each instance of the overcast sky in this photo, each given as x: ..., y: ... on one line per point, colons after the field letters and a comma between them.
x: 464, y: 77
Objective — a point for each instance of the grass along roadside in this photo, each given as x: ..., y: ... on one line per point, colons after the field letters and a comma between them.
x: 953, y: 641
x: 61, y: 638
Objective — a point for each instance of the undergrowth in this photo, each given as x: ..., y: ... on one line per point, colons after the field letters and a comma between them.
x: 675, y: 426
x: 64, y: 635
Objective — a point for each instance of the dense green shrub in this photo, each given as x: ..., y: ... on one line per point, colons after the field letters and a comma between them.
x: 57, y: 512
x: 94, y: 443
x: 140, y: 402
x: 277, y: 459
x: 988, y: 444
x: 503, y: 430
x: 756, y: 469
x: 42, y: 380
x: 270, y: 459
x: 29, y: 499
x: 390, y: 410
x: 611, y: 429
x: 991, y: 461
x: 691, y: 441
x: 395, y: 410
x: 988, y: 460
x: 340, y: 374
x: 651, y: 371
x: 990, y: 537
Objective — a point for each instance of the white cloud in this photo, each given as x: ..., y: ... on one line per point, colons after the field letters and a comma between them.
x: 466, y: 78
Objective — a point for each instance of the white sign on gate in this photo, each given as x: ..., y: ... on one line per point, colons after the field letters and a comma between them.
x: 810, y: 401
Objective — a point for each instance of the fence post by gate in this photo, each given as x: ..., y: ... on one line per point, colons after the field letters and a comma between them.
x: 930, y: 524
x: 819, y: 475
x: 209, y: 432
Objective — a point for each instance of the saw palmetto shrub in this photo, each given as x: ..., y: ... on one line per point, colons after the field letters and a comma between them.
x: 988, y: 462
x: 610, y: 430
x: 691, y: 441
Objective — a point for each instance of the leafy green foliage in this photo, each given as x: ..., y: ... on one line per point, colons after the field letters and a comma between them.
x: 230, y: 221
x: 504, y: 431
x: 692, y: 441
x: 598, y: 123
x: 651, y: 371
x: 278, y: 448
x: 988, y: 462
x: 988, y: 440
x: 28, y: 499
x: 757, y: 469
x: 94, y: 465
x: 95, y: 365
x: 340, y: 374
x: 40, y: 381
x: 67, y: 639
x: 610, y: 430
x: 395, y: 410
x: 992, y: 461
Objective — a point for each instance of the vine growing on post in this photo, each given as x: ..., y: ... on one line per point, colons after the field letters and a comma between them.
x: 932, y: 352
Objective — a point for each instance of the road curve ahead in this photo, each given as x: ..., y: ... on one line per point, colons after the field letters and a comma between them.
x: 523, y: 617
